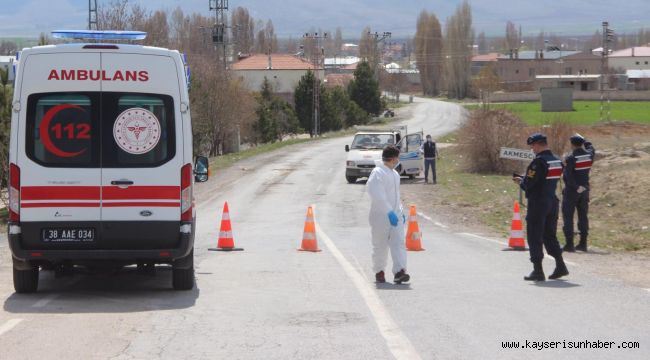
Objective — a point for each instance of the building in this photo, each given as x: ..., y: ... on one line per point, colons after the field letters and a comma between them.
x: 7, y: 63
x: 338, y: 63
x: 519, y: 71
x: 284, y: 71
x: 634, y: 58
x: 638, y: 80
x: 338, y: 80
x: 481, y: 61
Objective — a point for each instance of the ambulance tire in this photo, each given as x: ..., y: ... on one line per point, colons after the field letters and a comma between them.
x: 182, y: 275
x: 26, y: 281
x: 351, y: 179
x: 411, y: 176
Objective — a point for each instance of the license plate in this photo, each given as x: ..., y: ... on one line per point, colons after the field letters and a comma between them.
x: 68, y: 234
x: 366, y: 171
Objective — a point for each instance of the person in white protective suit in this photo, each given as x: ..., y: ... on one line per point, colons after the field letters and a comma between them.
x: 386, y: 217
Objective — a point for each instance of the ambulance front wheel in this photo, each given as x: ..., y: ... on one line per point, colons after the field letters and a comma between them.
x: 351, y: 179
x: 25, y: 277
x: 183, y: 273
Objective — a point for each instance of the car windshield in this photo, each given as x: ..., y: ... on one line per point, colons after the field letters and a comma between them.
x: 372, y: 141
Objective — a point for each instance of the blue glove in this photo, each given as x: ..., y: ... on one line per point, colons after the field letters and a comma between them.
x: 392, y: 217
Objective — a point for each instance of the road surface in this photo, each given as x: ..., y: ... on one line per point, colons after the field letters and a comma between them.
x: 466, y: 299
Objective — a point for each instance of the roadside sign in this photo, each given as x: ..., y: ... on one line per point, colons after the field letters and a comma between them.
x: 516, y: 154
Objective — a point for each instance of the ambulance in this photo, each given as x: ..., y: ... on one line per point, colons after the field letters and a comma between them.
x: 101, y: 162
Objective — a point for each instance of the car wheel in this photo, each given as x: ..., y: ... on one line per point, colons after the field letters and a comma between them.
x: 183, y: 273
x: 25, y: 277
x: 411, y: 176
x: 351, y: 179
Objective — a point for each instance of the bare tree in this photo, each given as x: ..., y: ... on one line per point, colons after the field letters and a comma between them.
x: 459, y: 42
x: 243, y: 29
x: 368, y: 49
x: 338, y: 40
x: 482, y: 44
x: 512, y: 40
x: 114, y: 15
x: 429, y: 53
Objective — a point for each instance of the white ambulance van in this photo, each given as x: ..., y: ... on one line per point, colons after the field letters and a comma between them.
x: 101, y: 161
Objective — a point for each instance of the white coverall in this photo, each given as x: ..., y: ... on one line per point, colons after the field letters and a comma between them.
x: 383, y: 189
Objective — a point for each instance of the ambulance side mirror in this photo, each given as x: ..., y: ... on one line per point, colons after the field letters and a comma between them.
x: 201, y: 169
x: 347, y: 148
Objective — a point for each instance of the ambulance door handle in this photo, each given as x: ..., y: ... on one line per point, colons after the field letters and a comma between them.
x: 122, y: 182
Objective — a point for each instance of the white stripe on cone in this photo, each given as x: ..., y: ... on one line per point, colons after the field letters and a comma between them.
x: 225, y: 234
x: 517, y: 234
x: 309, y: 236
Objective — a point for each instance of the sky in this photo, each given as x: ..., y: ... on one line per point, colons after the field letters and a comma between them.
x: 28, y: 18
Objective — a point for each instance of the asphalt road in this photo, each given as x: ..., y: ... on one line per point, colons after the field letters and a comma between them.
x: 270, y: 301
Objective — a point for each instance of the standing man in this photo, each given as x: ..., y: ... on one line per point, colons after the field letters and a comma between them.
x: 430, y: 152
x: 386, y: 217
x: 540, y: 183
x: 576, y: 191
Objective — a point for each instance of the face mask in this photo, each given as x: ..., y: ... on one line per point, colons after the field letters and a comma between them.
x: 429, y: 140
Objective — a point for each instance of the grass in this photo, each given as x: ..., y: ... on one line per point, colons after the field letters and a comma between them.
x: 618, y: 222
x: 585, y: 112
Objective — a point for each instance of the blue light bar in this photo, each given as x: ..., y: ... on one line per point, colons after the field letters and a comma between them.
x: 99, y: 35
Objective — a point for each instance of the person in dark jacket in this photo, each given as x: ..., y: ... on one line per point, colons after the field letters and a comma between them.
x: 575, y: 195
x: 540, y: 183
x: 430, y: 152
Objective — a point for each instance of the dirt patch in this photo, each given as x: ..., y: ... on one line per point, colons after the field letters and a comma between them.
x: 619, y: 210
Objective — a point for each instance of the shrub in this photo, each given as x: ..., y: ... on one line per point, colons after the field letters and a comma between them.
x: 483, y: 135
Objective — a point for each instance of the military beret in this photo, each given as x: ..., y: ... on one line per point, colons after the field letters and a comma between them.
x: 577, y: 139
x: 537, y: 137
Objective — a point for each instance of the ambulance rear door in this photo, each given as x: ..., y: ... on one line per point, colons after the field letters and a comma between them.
x: 142, y: 152
x: 58, y: 149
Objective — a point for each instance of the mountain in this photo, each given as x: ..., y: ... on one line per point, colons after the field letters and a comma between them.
x: 294, y: 17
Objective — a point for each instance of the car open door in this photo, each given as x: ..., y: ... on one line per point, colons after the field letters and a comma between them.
x: 410, y: 156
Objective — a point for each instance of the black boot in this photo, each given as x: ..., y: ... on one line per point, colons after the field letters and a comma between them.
x: 582, y: 246
x: 537, y: 274
x: 401, y: 277
x: 560, y: 268
x: 569, y: 244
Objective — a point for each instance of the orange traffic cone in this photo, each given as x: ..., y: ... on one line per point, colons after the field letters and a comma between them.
x: 516, y: 233
x: 413, y: 235
x: 226, y: 240
x: 309, y: 237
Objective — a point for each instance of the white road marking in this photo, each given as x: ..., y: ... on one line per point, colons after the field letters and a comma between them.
x: 433, y: 221
x: 398, y: 344
x: 10, y: 324
x: 504, y: 244
x: 484, y: 238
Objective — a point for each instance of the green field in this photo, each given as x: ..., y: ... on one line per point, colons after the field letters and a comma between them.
x: 585, y: 112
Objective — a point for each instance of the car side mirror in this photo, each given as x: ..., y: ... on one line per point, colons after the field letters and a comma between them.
x: 201, y: 169
x: 347, y: 148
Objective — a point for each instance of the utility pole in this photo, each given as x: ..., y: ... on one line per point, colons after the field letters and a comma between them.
x: 219, y: 29
x: 605, y: 106
x: 317, y: 59
x: 92, y: 15
x: 378, y: 38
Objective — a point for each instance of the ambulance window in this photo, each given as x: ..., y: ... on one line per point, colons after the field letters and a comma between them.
x: 137, y: 130
x: 60, y: 129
